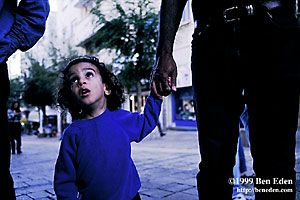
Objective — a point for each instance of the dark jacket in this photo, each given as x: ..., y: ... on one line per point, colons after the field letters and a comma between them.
x: 21, y: 25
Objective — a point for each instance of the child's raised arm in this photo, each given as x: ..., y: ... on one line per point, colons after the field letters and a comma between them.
x: 139, y: 125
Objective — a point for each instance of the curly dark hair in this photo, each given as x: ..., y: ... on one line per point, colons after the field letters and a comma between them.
x: 64, y: 95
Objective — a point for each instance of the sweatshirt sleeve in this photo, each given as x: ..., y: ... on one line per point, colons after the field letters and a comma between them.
x: 29, y: 26
x: 140, y: 125
x: 65, y: 168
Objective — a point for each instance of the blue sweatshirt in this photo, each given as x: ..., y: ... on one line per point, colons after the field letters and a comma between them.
x: 95, y: 155
x: 22, y: 25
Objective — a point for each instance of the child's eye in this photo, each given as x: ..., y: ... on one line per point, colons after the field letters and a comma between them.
x: 74, y: 80
x: 89, y: 75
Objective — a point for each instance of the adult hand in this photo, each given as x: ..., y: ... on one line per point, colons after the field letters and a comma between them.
x: 163, y: 76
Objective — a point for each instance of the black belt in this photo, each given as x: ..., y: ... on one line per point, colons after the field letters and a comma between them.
x: 236, y: 13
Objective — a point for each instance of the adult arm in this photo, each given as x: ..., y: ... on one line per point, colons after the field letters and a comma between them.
x: 28, y: 27
x: 65, y: 172
x: 165, y: 66
x: 1, y: 4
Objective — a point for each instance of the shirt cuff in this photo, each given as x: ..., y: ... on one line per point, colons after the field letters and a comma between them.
x: 154, y: 97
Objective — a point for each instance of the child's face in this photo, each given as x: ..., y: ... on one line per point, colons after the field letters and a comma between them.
x: 87, y: 87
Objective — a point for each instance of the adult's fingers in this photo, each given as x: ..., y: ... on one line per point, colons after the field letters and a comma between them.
x: 173, y: 80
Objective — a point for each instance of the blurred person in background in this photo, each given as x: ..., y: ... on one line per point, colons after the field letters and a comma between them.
x: 14, y: 124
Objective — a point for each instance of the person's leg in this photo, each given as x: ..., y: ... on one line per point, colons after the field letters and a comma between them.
x: 7, y: 189
x: 217, y: 134
x: 237, y: 189
x: 12, y: 138
x: 273, y: 103
x: 161, y: 132
x: 218, y: 107
x: 137, y: 197
x: 273, y: 125
x: 18, y: 138
x: 242, y: 160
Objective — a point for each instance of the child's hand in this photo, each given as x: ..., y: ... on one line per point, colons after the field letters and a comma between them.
x: 153, y: 86
x: 163, y: 76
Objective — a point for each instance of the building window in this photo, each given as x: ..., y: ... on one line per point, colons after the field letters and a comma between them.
x: 183, y: 107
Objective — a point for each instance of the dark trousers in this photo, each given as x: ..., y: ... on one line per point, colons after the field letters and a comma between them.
x: 15, y: 134
x: 137, y: 197
x: 7, y: 189
x: 260, y: 56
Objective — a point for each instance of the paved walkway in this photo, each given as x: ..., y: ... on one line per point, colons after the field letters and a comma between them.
x: 167, y: 166
x: 32, y: 170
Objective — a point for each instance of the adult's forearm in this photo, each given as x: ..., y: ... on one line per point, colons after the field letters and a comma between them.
x: 170, y: 16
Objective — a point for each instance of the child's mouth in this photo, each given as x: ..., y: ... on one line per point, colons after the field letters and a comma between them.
x: 84, y: 92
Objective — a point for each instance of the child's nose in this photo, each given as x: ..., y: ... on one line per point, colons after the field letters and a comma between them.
x: 81, y: 82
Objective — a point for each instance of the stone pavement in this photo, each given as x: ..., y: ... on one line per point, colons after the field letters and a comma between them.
x: 167, y: 166
x: 32, y: 170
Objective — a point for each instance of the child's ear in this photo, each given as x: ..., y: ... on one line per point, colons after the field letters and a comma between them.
x: 107, y: 91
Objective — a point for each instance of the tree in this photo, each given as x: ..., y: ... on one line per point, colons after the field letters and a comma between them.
x: 133, y: 36
x: 16, y: 91
x: 40, y: 85
x: 59, y: 60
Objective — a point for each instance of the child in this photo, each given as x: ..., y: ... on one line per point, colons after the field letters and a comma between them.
x: 95, y: 161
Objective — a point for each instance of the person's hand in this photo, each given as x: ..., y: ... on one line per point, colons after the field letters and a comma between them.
x: 163, y: 76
